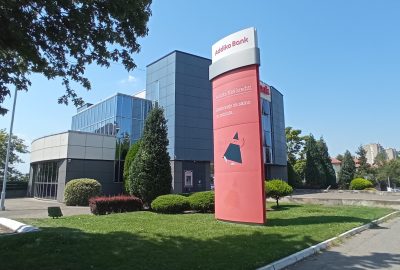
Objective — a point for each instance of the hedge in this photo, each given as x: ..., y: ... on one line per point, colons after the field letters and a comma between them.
x: 115, y: 204
x: 170, y: 204
x: 360, y: 184
x: 79, y: 191
x: 202, y: 201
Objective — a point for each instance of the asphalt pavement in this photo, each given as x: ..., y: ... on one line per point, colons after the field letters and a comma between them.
x: 33, y: 208
x: 376, y: 248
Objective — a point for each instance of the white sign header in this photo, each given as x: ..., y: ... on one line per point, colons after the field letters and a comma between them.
x: 239, y: 41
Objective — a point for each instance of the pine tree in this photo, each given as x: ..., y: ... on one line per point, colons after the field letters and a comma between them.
x: 364, y: 168
x: 314, y: 172
x: 150, y: 171
x: 348, y: 170
x: 130, y: 157
x: 326, y: 163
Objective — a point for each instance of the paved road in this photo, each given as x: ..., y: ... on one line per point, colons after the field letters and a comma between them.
x: 376, y: 248
x: 33, y: 208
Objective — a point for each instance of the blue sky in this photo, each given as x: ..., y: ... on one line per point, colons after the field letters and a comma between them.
x: 337, y: 64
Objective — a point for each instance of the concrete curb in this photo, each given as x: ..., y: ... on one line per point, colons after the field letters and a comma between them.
x: 17, y: 227
x: 296, y: 257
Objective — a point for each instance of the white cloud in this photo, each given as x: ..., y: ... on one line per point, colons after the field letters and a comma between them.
x: 131, y: 79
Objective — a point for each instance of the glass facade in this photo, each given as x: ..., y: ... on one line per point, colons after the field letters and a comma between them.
x: 45, y: 179
x: 266, y: 120
x: 122, y: 116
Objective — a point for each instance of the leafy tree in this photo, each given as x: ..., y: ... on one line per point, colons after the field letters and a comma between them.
x: 364, y: 168
x: 294, y: 178
x: 300, y: 168
x: 314, y: 171
x: 150, y: 171
x: 294, y: 143
x: 130, y: 157
x: 389, y: 170
x: 326, y: 163
x: 17, y: 147
x: 380, y: 159
x: 60, y: 38
x: 277, y: 189
x: 348, y: 170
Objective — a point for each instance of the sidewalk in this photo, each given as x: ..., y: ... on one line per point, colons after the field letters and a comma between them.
x: 34, y: 208
x: 376, y: 248
x: 382, y: 199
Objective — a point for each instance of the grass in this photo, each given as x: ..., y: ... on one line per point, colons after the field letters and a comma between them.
x: 145, y: 240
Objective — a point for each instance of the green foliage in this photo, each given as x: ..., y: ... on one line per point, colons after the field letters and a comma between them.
x: 315, y: 170
x: 54, y: 211
x: 59, y: 39
x: 300, y: 168
x: 294, y: 178
x: 129, y: 158
x: 360, y: 184
x: 327, y: 166
x: 17, y: 147
x: 277, y: 189
x: 364, y: 168
x: 294, y: 143
x: 347, y: 171
x: 79, y: 191
x: 202, y: 201
x: 150, y: 172
x: 389, y: 170
x: 170, y: 204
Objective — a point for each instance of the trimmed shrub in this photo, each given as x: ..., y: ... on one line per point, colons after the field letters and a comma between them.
x: 360, y: 184
x: 54, y: 211
x: 370, y: 189
x: 202, y: 201
x: 277, y: 189
x: 170, y: 204
x: 114, y: 204
x: 79, y: 191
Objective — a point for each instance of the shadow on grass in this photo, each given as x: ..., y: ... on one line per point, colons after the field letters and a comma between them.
x: 66, y: 248
x: 307, y: 220
x: 284, y: 207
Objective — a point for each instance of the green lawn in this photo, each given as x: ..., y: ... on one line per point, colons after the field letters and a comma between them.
x: 145, y: 240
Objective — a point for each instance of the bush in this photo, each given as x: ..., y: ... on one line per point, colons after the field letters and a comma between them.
x: 170, y: 204
x: 79, y: 191
x: 277, y: 189
x: 202, y: 201
x: 54, y: 211
x: 360, y: 184
x: 115, y: 204
x: 129, y: 158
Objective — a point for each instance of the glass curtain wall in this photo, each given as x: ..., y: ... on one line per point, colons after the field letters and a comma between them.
x: 121, y: 116
x: 45, y: 180
x: 266, y: 121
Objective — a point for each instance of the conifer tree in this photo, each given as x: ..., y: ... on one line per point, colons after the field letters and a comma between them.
x: 150, y: 171
x: 348, y: 170
x: 326, y: 163
x: 364, y: 168
x: 314, y: 171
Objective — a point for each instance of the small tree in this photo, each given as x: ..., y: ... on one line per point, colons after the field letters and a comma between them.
x: 277, y: 189
x: 150, y: 171
x: 130, y: 157
x: 363, y: 170
x: 17, y: 147
x: 348, y: 170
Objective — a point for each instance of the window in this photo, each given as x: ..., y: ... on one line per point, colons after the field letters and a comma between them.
x: 188, y: 178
